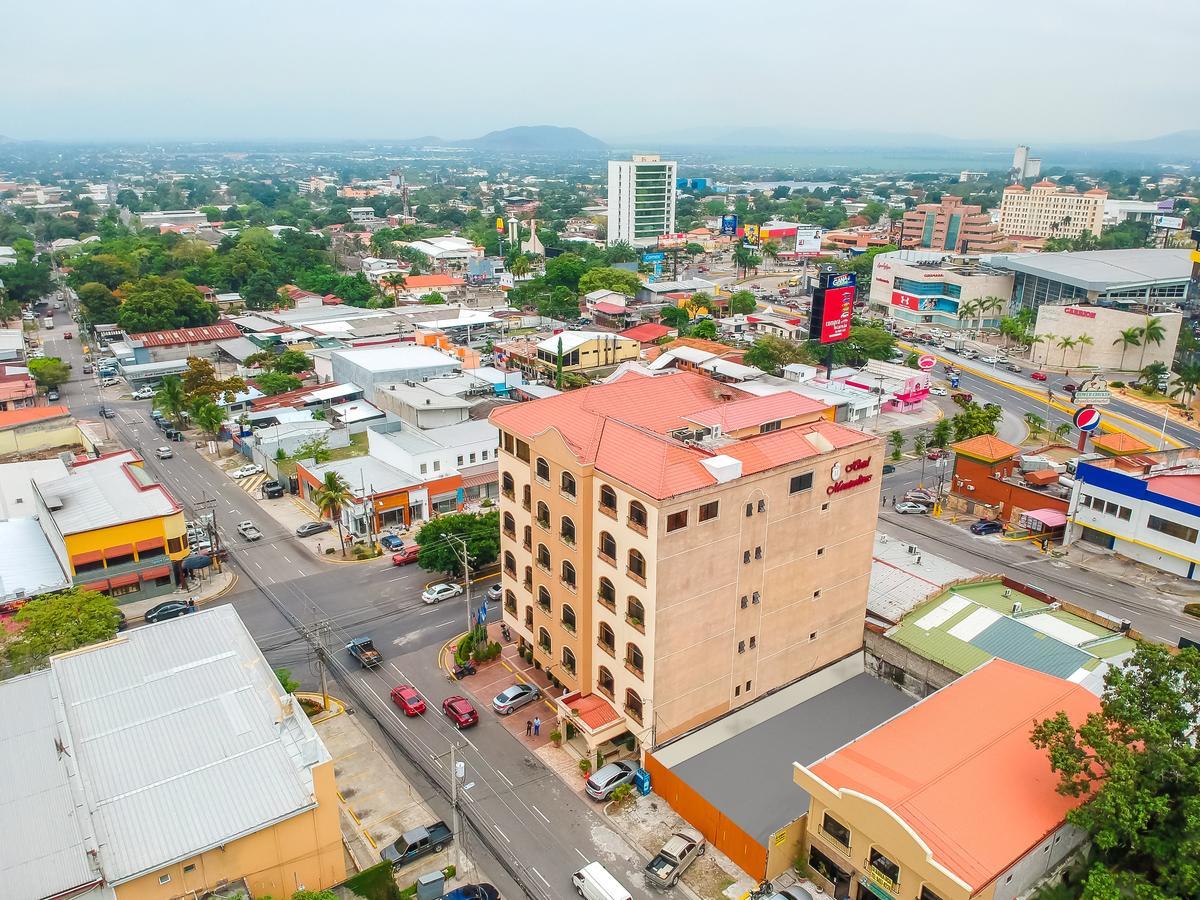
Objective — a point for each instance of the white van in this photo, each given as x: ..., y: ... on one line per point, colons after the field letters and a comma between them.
x: 593, y: 882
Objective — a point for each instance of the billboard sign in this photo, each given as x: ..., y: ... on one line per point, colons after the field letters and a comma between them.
x: 832, y: 308
x: 808, y: 241
x: 1174, y: 223
x: 751, y: 234
x: 653, y: 257
x: 729, y: 224
x: 1086, y: 419
x: 912, y: 301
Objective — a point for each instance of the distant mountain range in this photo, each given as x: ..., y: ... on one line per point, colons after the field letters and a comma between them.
x: 546, y: 138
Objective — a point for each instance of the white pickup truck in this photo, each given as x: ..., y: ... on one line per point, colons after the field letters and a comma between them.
x: 249, y: 530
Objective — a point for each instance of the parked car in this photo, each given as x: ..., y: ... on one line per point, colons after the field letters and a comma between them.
x: 271, y: 489
x: 460, y: 711
x: 308, y: 529
x: 109, y: 382
x: 164, y: 452
x: 249, y: 531
x: 481, y: 891
x: 908, y: 507
x: 888, y: 468
x: 52, y: 395
x: 938, y: 391
x: 962, y: 398
x: 513, y: 698
x: 1038, y: 376
x: 494, y: 592
x: 87, y: 368
x: 391, y: 542
x: 1012, y: 367
x: 173, y: 434
x: 169, y: 610
x: 987, y: 526
x: 407, y: 555
x: 606, y: 779
x: 107, y: 412
x: 436, y: 593
x: 406, y: 697
x: 418, y: 842
x: 937, y: 453
x: 144, y: 393
x: 679, y: 852
x: 246, y: 471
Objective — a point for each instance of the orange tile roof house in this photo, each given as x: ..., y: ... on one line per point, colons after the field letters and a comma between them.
x: 949, y: 797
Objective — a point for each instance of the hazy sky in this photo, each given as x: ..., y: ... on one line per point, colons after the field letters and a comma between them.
x: 1050, y: 70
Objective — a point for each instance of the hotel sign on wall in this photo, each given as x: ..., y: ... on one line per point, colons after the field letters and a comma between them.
x: 845, y: 477
x: 1082, y: 313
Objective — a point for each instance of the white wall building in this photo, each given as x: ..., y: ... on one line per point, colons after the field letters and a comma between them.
x: 641, y: 199
x: 433, y: 452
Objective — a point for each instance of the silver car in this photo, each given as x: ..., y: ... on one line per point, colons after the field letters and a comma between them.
x: 608, y: 778
x: 514, y: 698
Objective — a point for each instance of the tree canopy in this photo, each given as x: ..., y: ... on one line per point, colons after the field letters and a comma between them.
x: 154, y: 303
x: 271, y: 383
x: 49, y: 372
x: 481, y: 532
x: 60, y: 622
x: 604, y: 278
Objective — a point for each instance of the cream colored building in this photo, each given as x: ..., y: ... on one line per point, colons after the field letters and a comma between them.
x: 1047, y: 210
x: 673, y: 548
x: 1103, y: 327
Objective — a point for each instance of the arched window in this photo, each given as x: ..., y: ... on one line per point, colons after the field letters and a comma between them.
x: 507, y: 485
x: 607, y: 593
x: 510, y: 602
x: 544, y: 639
x: 544, y: 598
x: 633, y: 705
x: 607, y: 638
x: 605, y: 682
x: 528, y: 581
x: 510, y: 564
x: 633, y: 659
x: 568, y: 574
x: 510, y: 525
x: 529, y: 617
x: 635, y: 612
x: 567, y: 531
x: 568, y: 660
x: 608, y: 499
x: 527, y: 537
x: 543, y: 514
x: 567, y: 481
x: 542, y: 469
x: 637, y: 565
x: 637, y: 516
x: 568, y: 618
x: 525, y: 496
x: 608, y: 547
x: 543, y: 557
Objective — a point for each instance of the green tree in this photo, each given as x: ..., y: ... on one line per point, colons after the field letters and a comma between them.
x: 316, y: 449
x: 100, y: 305
x: 1064, y: 344
x: 330, y: 496
x: 896, y: 442
x: 200, y: 381
x: 1153, y: 332
x: 49, y: 372
x: 559, y: 303
x: 620, y: 252
x: 440, y: 553
x: 771, y: 353
x: 1130, y: 337
x: 742, y: 303
x: 1187, y: 379
x: 920, y: 443
x: 433, y: 298
x: 108, y: 269
x: 1136, y: 765
x: 565, y: 271
x: 943, y: 432
x: 1061, y: 430
x: 261, y: 290
x: 292, y: 362
x: 314, y: 895
x: 154, y: 303
x: 619, y: 280
x: 1036, y: 423
x: 693, y: 249
x: 289, y: 684
x: 674, y: 316
x: 863, y: 263
x: 27, y: 281
x: 520, y: 266
x: 745, y: 259
x: 170, y: 399
x: 60, y: 622
x: 1084, y: 340
x: 975, y: 420
x: 706, y: 329
x: 271, y: 383
x: 1151, y: 375
x: 207, y: 416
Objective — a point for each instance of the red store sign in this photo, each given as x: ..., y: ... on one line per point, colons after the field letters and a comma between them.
x: 840, y: 484
x: 1076, y: 311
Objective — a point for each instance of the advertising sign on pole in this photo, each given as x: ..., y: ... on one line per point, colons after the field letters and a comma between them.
x: 653, y: 257
x: 808, y: 240
x: 1174, y: 223
x: 926, y: 362
x: 750, y: 234
x: 729, y: 224
x: 1086, y: 419
x: 832, y: 308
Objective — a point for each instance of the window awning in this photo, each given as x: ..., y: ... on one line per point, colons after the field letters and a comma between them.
x: 122, y: 550
x: 156, y: 572
x: 1051, y: 518
x: 123, y: 580
x: 101, y: 585
x: 151, y: 544
x: 82, y: 559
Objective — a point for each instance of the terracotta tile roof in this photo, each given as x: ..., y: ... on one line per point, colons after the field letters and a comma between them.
x: 722, y: 350
x: 610, y: 309
x: 10, y: 418
x: 1120, y: 442
x: 745, y: 413
x: 987, y: 447
x: 964, y: 749
x: 221, y: 330
x: 647, y: 332
x: 594, y: 711
x: 431, y: 281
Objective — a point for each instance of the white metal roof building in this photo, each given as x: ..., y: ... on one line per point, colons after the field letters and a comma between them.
x: 104, y: 491
x: 1105, y: 277
x: 28, y: 564
x: 394, y: 364
x: 175, y: 739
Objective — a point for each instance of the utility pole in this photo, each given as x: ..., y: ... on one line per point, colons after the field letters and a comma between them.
x: 462, y: 546
x: 458, y: 772
x: 317, y: 637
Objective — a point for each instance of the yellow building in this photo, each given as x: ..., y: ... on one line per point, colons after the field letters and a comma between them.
x: 116, y: 528
x: 585, y: 351
x: 948, y: 800
x: 165, y: 763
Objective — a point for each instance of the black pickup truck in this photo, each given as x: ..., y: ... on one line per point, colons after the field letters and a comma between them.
x: 417, y: 843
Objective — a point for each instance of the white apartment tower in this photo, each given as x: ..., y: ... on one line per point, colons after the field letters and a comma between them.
x: 641, y: 199
x: 1025, y: 166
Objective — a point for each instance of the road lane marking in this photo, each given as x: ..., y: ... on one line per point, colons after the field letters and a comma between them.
x: 447, y: 622
x: 539, y: 875
x: 501, y: 833
x: 504, y: 778
x: 584, y: 858
x: 540, y: 813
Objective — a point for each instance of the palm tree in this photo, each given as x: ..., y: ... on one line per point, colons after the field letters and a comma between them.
x: 208, y: 416
x: 1187, y: 379
x: 1062, y: 430
x: 990, y: 305
x: 771, y: 250
x: 332, y: 494
x: 745, y: 259
x: 620, y: 251
x: 1130, y: 337
x: 1064, y: 344
x: 1152, y: 373
x: 1035, y: 339
x: 1153, y: 332
x: 1084, y: 340
x: 396, y: 281
x: 1035, y: 422
x: 170, y: 399
x: 967, y: 311
x: 520, y: 266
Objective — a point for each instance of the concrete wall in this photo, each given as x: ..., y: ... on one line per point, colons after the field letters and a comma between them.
x: 1040, y: 862
x: 1104, y: 326
x: 47, y: 434
x: 912, y: 673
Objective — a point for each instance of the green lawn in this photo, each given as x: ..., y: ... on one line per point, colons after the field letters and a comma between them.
x: 356, y: 447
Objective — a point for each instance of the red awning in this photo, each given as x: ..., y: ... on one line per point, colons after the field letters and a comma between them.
x: 82, y: 559
x: 482, y: 478
x: 114, y: 552
x: 122, y: 580
x: 101, y: 585
x: 156, y: 572
x: 152, y: 544
x: 1051, y: 518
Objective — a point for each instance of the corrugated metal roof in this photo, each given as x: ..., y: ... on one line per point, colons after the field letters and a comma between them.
x: 106, y: 491
x: 1015, y: 641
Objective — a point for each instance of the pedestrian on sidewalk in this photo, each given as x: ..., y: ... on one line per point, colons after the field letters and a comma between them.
x: 537, y: 726
x: 528, y: 728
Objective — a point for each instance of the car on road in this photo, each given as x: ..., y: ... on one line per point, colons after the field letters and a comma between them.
x: 87, y: 368
x: 481, y: 891
x: 436, y: 593
x: 937, y: 453
x: 1012, y: 367
x: 460, y: 711
x: 391, y: 542
x: 888, y: 468
x: 407, y: 555
x: 246, y: 471
x: 987, y: 526
x: 513, y: 698
x: 962, y: 398
x: 109, y: 382
x: 406, y: 697
x: 52, y: 395
x: 107, y: 412
x: 249, y: 531
x: 938, y: 391
x: 1038, y: 376
x: 164, y: 452
x: 990, y: 360
x: 606, y: 779
x: 308, y: 529
x: 144, y: 393
x: 908, y: 507
x: 494, y: 592
x: 169, y: 610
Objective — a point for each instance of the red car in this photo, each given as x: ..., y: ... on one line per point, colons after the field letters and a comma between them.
x: 408, y: 699
x: 460, y: 711
x: 936, y: 453
x: 1038, y: 376
x: 407, y: 555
